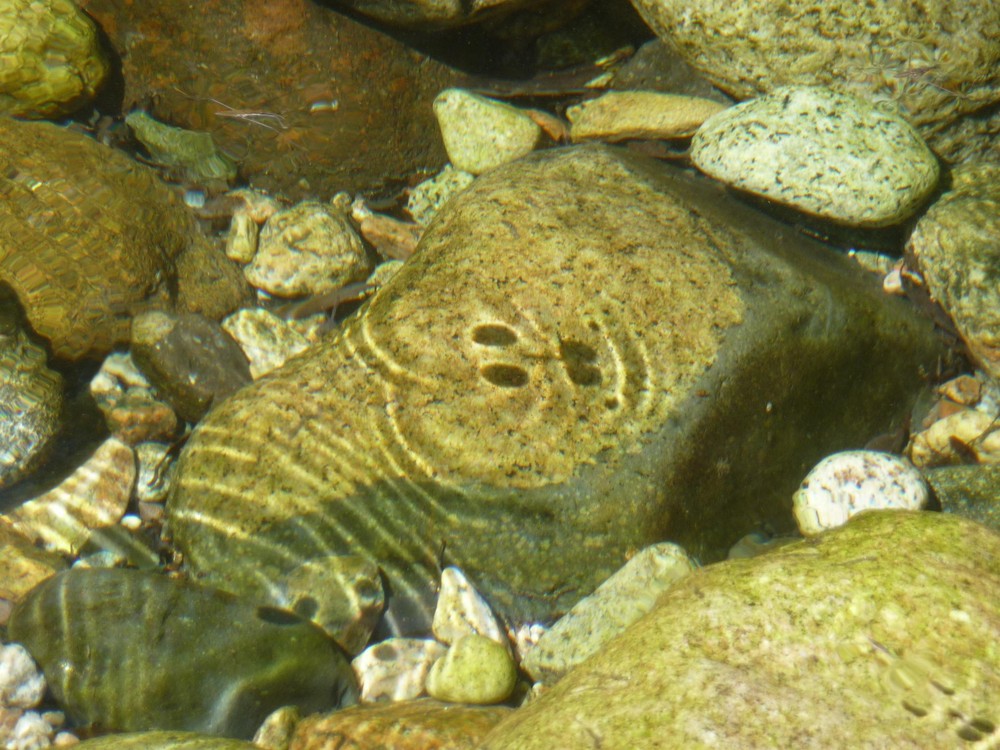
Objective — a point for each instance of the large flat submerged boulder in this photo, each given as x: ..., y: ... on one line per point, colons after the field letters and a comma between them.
x: 589, y: 352
x: 879, y: 634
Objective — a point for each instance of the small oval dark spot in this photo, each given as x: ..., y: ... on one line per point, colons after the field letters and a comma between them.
x: 983, y: 725
x: 579, y: 359
x: 494, y: 335
x: 385, y: 652
x: 611, y: 403
x: 505, y: 376
x: 306, y: 607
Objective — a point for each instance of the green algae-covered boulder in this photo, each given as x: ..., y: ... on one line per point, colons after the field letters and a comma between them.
x: 880, y: 634
x: 588, y: 353
x: 132, y: 651
x: 164, y: 741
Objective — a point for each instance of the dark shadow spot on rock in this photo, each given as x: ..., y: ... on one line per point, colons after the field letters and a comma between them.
x: 306, y: 607
x: 277, y: 616
x: 494, y: 335
x: 579, y: 359
x: 505, y: 376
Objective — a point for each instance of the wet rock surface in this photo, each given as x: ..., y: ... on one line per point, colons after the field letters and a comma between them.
x: 164, y: 741
x: 878, y: 634
x: 127, y: 650
x: 969, y: 491
x: 306, y: 100
x: 956, y: 246
x: 936, y: 62
x: 616, y: 321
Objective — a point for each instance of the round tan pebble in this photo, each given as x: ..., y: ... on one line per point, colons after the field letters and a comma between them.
x: 475, y: 670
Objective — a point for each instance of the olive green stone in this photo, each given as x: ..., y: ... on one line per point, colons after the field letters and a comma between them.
x: 131, y: 651
x: 969, y: 491
x: 164, y: 741
x: 880, y: 634
x: 589, y: 352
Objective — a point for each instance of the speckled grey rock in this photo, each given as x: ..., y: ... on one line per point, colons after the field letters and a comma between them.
x: 969, y: 491
x: 163, y: 741
x: 833, y: 155
x: 31, y: 397
x: 193, y: 363
x: 956, y: 246
x: 937, y: 62
x: 879, y: 634
x: 616, y: 604
x: 130, y: 651
x: 618, y: 321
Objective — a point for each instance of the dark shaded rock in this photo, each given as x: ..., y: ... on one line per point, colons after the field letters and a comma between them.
x: 588, y: 353
x: 407, y: 725
x: 879, y: 634
x: 306, y: 100
x: 189, y: 359
x: 128, y: 650
x: 969, y: 491
x: 164, y: 741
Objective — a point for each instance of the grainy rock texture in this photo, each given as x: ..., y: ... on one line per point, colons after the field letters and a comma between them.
x: 937, y: 61
x: 51, y: 61
x: 308, y: 101
x: 833, y: 155
x: 22, y: 565
x: 969, y: 491
x: 163, y: 741
x: 879, y: 634
x: 553, y: 379
x: 411, y: 725
x: 130, y: 651
x: 956, y: 245
x: 88, y: 237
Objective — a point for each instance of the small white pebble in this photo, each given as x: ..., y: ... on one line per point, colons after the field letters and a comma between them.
x: 21, y: 683
x: 131, y: 522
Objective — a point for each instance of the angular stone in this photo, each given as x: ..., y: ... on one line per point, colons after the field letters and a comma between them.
x: 832, y: 155
x: 621, y: 115
x: 408, y: 725
x: 596, y: 619
x: 475, y: 670
x: 881, y: 633
x: 396, y: 668
x: 969, y: 491
x: 632, y: 357
x: 129, y: 651
x: 462, y: 611
x: 22, y: 566
x: 189, y: 155
x: 935, y: 62
x: 266, y: 339
x: 956, y: 246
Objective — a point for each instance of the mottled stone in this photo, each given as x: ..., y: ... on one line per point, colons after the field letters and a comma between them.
x: 163, y: 741
x: 94, y: 495
x: 475, y: 670
x: 618, y: 321
x: 192, y: 362
x: 881, y: 633
x: 131, y: 410
x: 128, y: 650
x: 31, y: 398
x: 188, y: 155
x: 51, y: 61
x: 480, y: 134
x: 615, y: 604
x: 275, y: 732
x: 308, y: 100
x: 846, y: 483
x: 266, y: 339
x: 22, y: 565
x: 310, y: 248
x: 461, y: 610
x: 968, y: 435
x: 411, y: 725
x: 88, y: 237
x: 833, y: 155
x: 396, y: 668
x: 27, y: 730
x: 21, y: 684
x: 426, y: 198
x: 621, y: 115
x: 956, y: 246
x: 935, y: 62
x: 241, y: 242
x: 969, y: 491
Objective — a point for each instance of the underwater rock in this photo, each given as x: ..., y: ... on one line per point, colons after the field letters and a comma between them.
x: 589, y: 352
x: 51, y: 61
x: 87, y: 236
x: 190, y: 156
x: 935, y: 63
x: 476, y: 670
x: 128, y: 650
x: 410, y: 725
x: 972, y: 492
x: 31, y: 397
x: 621, y: 115
x: 881, y: 633
x: 307, y: 100
x: 956, y: 246
x: 163, y: 741
x: 461, y: 610
x: 832, y: 155
x: 22, y: 566
x: 396, y: 668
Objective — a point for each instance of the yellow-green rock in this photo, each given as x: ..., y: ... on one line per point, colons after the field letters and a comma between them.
x: 475, y: 670
x: 881, y: 634
x: 163, y: 741
x: 51, y: 61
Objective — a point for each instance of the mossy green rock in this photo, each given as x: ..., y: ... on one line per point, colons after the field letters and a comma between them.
x: 883, y: 633
x: 589, y: 352
x: 475, y: 670
x: 164, y: 741
x: 132, y: 651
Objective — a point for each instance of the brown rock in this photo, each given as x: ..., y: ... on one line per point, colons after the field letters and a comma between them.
x: 408, y: 725
x: 307, y: 100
